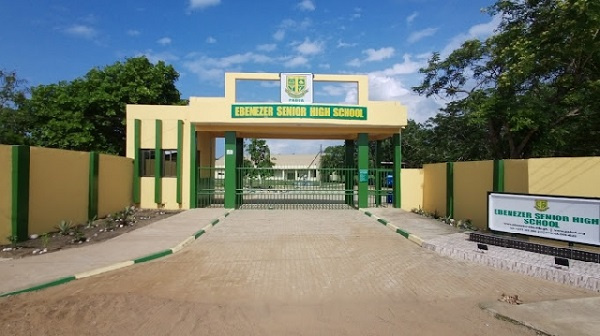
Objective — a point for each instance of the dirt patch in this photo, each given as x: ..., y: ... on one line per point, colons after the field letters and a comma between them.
x: 90, y: 233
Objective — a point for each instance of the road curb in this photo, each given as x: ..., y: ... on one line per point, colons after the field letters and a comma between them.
x: 121, y: 264
x: 412, y: 237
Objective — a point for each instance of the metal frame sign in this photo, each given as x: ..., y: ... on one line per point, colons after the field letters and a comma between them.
x: 297, y: 88
x: 556, y: 217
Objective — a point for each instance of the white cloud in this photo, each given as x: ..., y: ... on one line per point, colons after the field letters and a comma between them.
x: 296, y: 62
x: 379, y: 54
x: 211, y: 40
x: 81, y: 31
x: 342, y: 44
x: 324, y: 66
x: 411, y: 17
x: 164, y: 41
x: 209, y: 68
x: 201, y: 4
x: 407, y: 67
x: 266, y: 47
x: 133, y: 32
x: 310, y: 48
x: 279, y: 35
x: 421, y: 34
x: 161, y: 56
x: 482, y: 30
x: 354, y: 62
x: 306, y: 5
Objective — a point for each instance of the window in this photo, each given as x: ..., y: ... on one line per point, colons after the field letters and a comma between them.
x: 147, y: 158
x: 169, y: 164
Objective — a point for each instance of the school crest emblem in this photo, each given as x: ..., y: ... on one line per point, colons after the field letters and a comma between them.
x: 541, y: 205
x: 296, y: 87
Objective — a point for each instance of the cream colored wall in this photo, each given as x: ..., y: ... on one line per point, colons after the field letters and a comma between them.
x: 5, y: 193
x: 434, y: 188
x: 59, y: 182
x: 169, y: 193
x: 115, y: 180
x: 472, y: 181
x: 565, y: 176
x: 412, y: 189
x: 147, y: 194
x: 516, y: 176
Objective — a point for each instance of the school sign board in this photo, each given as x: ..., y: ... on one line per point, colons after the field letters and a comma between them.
x: 555, y: 217
x: 297, y: 88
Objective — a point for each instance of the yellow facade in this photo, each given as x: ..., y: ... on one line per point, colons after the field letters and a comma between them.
x: 516, y: 176
x: 412, y: 189
x: 565, y: 176
x: 5, y: 193
x: 434, y: 188
x: 115, y: 178
x: 472, y: 181
x: 211, y: 117
x: 59, y: 182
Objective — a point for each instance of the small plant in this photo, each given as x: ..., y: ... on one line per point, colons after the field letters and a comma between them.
x: 90, y: 223
x: 109, y: 223
x: 45, y: 240
x: 13, y: 240
x: 79, y: 236
x: 64, y: 228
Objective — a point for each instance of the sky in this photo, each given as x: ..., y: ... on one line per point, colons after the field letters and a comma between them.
x: 47, y: 41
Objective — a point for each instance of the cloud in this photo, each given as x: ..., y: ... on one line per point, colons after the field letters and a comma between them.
x: 420, y: 34
x: 160, y: 56
x: 266, y: 47
x: 324, y: 66
x: 480, y: 31
x: 296, y: 62
x: 342, y: 44
x: 306, y: 5
x: 133, y: 32
x: 354, y: 62
x: 209, y: 68
x: 411, y: 18
x: 83, y: 31
x: 211, y: 40
x: 379, y: 54
x: 279, y: 35
x: 164, y: 41
x: 408, y: 66
x: 201, y: 4
x: 292, y: 25
x: 310, y: 48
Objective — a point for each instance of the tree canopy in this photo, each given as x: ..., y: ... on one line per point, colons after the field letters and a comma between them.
x: 13, y: 120
x: 260, y: 164
x: 530, y: 90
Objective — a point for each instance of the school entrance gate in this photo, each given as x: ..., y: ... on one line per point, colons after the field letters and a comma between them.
x: 173, y: 148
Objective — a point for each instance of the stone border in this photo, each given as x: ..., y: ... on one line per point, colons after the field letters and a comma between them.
x: 122, y: 264
x: 412, y: 237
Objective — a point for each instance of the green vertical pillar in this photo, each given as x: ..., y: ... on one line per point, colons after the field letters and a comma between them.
x: 158, y: 162
x: 230, y: 169
x: 450, y: 189
x: 193, y: 168
x: 397, y: 174
x: 349, y: 171
x: 363, y: 170
x: 20, y: 192
x: 178, y: 162
x: 498, y: 183
x: 378, y: 173
x: 137, y: 135
x: 93, y: 185
x: 239, y: 162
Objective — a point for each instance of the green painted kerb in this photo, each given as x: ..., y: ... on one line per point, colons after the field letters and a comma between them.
x: 93, y: 185
x: 214, y: 222
x: 20, y: 191
x: 199, y: 233
x: 382, y: 221
x: 179, y: 157
x: 450, y: 189
x: 158, y: 163
x: 298, y: 111
x: 499, y: 175
x: 403, y: 233
x: 42, y: 286
x: 153, y: 256
x: 193, y: 168
x: 136, y: 161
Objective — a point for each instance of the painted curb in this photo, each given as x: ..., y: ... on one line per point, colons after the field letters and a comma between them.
x: 413, y: 238
x: 122, y: 264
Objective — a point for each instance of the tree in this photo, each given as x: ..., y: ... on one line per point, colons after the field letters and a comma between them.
x: 88, y: 113
x: 533, y: 88
x: 14, y: 121
x: 260, y: 164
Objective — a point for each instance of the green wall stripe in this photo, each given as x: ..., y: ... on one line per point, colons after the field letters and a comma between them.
x: 363, y: 163
x: 397, y: 175
x: 450, y: 189
x: 20, y: 192
x: 41, y: 286
x: 179, y: 157
x: 193, y: 168
x: 153, y: 256
x: 230, y: 169
x: 137, y: 135
x: 498, y: 175
x: 158, y: 163
x: 93, y: 185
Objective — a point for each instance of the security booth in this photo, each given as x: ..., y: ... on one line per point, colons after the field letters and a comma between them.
x: 174, y: 152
